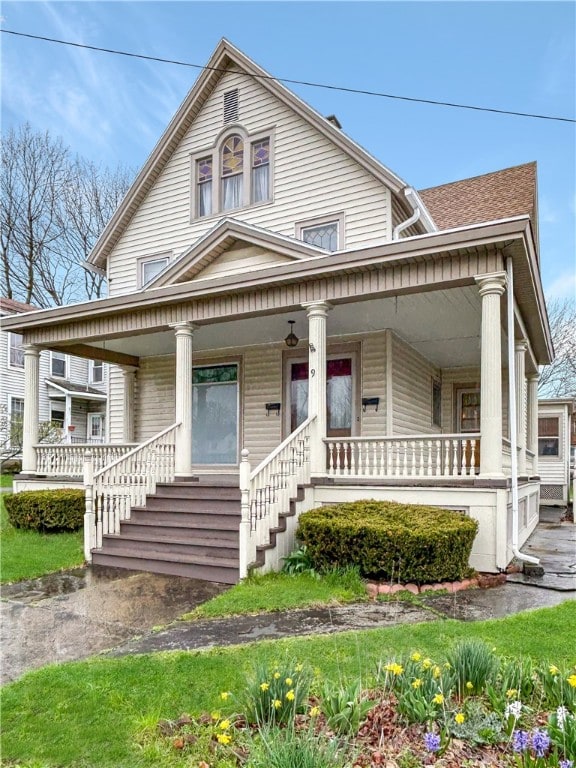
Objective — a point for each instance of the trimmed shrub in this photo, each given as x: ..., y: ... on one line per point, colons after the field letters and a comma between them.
x: 406, y: 543
x: 47, y: 511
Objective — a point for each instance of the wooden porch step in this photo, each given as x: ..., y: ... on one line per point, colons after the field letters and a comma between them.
x: 184, y: 531
x: 189, y: 504
x: 223, y: 570
x: 213, y: 547
x: 198, y: 491
x: 228, y: 520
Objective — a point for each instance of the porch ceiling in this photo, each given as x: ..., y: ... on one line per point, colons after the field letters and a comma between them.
x: 443, y: 326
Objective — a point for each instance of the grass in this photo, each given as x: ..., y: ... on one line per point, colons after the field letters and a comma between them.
x: 281, y: 591
x: 89, y: 714
x: 28, y: 554
x: 5, y: 481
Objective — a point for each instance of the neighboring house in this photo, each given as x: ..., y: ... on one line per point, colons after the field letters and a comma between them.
x: 555, y: 417
x: 290, y: 324
x: 71, y: 392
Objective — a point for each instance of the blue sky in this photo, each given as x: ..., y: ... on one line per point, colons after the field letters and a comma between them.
x: 516, y: 56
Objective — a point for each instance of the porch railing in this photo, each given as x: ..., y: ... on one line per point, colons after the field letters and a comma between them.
x: 125, y: 483
x: 403, y: 456
x: 267, y: 491
x: 67, y: 460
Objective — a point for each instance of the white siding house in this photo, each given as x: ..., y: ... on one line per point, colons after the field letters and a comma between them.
x: 554, y: 420
x: 290, y: 323
x: 72, y: 395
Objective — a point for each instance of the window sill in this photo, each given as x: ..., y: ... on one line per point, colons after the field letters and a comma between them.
x: 231, y: 212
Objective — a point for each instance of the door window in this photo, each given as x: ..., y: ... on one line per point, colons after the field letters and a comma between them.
x: 215, y: 414
x: 338, y: 395
x: 469, y: 410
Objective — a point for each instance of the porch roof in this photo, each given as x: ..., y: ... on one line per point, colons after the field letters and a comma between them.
x: 76, y: 390
x: 412, y: 265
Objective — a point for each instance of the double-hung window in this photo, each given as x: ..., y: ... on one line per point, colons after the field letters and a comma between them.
x: 58, y: 365
x: 16, y: 421
x: 96, y: 371
x: 16, y: 351
x: 549, y: 436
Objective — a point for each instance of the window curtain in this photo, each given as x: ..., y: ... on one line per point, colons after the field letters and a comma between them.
x: 205, y: 198
x: 260, y: 184
x: 232, y: 192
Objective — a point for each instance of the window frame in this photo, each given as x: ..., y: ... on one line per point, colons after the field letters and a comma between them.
x: 215, y: 153
x: 319, y: 221
x: 557, y: 455
x: 15, y: 347
x: 92, y: 365
x: 436, y: 401
x: 66, y: 365
x: 144, y: 260
x: 11, y: 400
x: 58, y: 407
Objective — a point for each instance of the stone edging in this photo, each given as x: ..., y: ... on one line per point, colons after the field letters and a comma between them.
x: 483, y: 581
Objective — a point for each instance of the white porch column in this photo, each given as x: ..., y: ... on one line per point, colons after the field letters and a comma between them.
x: 129, y: 377
x: 491, y: 287
x: 317, y: 312
x: 184, y: 334
x: 520, y: 376
x: 31, y: 407
x: 532, y: 441
x: 67, y: 419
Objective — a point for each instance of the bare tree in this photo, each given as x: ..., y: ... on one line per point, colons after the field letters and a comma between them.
x: 52, y: 209
x: 559, y: 378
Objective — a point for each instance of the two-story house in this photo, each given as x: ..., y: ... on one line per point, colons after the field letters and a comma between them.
x: 291, y: 324
x: 72, y: 392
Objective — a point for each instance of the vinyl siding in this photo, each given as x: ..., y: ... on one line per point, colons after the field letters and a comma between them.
x: 373, y: 384
x: 332, y: 183
x: 553, y: 470
x: 412, y: 390
x: 240, y: 259
x: 466, y: 378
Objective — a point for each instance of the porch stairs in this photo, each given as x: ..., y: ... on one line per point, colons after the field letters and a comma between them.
x: 186, y: 529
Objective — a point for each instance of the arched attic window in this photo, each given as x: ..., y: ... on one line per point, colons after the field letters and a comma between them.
x: 232, y: 164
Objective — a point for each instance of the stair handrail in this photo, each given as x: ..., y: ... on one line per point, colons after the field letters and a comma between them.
x: 267, y: 490
x: 124, y: 483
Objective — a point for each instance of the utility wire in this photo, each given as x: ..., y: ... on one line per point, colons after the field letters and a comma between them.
x: 293, y: 82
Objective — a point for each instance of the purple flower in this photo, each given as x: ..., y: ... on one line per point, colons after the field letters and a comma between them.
x: 565, y: 764
x: 432, y: 742
x: 540, y: 742
x: 520, y: 741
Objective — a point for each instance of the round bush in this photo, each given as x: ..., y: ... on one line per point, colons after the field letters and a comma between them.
x: 47, y: 511
x: 406, y: 543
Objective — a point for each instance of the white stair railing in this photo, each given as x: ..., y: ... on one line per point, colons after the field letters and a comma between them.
x: 67, y: 460
x: 408, y: 456
x: 125, y: 483
x: 267, y: 491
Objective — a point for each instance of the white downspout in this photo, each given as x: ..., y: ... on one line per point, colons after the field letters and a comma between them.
x: 512, y: 416
x: 409, y: 192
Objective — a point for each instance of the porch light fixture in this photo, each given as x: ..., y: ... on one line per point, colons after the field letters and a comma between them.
x: 291, y: 340
x: 370, y: 402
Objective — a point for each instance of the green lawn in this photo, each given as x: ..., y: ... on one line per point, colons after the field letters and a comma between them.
x: 5, y: 481
x: 27, y: 554
x: 90, y: 714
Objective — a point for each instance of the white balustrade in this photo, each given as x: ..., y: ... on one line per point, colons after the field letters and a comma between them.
x: 127, y: 481
x: 267, y: 491
x: 404, y: 456
x: 67, y: 460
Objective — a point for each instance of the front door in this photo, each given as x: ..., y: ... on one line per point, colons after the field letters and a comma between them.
x: 215, y: 414
x: 339, y: 395
x: 95, y: 428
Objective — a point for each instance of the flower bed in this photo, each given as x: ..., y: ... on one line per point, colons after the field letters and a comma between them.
x: 472, y: 709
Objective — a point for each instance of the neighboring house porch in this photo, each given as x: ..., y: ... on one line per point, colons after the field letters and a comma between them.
x: 397, y: 386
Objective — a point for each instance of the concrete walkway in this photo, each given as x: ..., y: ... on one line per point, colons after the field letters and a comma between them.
x: 80, y: 613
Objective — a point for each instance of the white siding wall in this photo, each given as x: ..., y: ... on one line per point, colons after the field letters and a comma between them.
x: 373, y: 384
x: 412, y: 377
x: 311, y: 178
x: 554, y: 470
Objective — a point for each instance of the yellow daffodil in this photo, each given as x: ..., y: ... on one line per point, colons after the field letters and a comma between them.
x: 459, y: 718
x: 277, y: 703
x: 553, y: 670
x: 416, y: 683
x: 288, y: 681
x: 224, y: 725
x: 396, y: 669
x: 299, y: 667
x: 426, y: 664
x: 438, y: 699
x: 264, y: 686
x: 290, y: 696
x: 315, y: 711
x: 223, y: 738
x: 215, y: 715
x: 416, y: 656
x: 572, y: 681
x: 224, y: 695
x: 447, y: 665
x: 469, y: 686
x: 511, y: 693
x: 276, y: 675
x: 436, y: 672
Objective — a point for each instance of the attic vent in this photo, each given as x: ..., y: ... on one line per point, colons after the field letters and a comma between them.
x: 231, y: 106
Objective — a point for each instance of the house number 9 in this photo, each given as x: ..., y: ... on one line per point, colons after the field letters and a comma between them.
x: 313, y: 372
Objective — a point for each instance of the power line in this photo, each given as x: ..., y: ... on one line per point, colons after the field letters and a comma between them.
x: 293, y: 82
